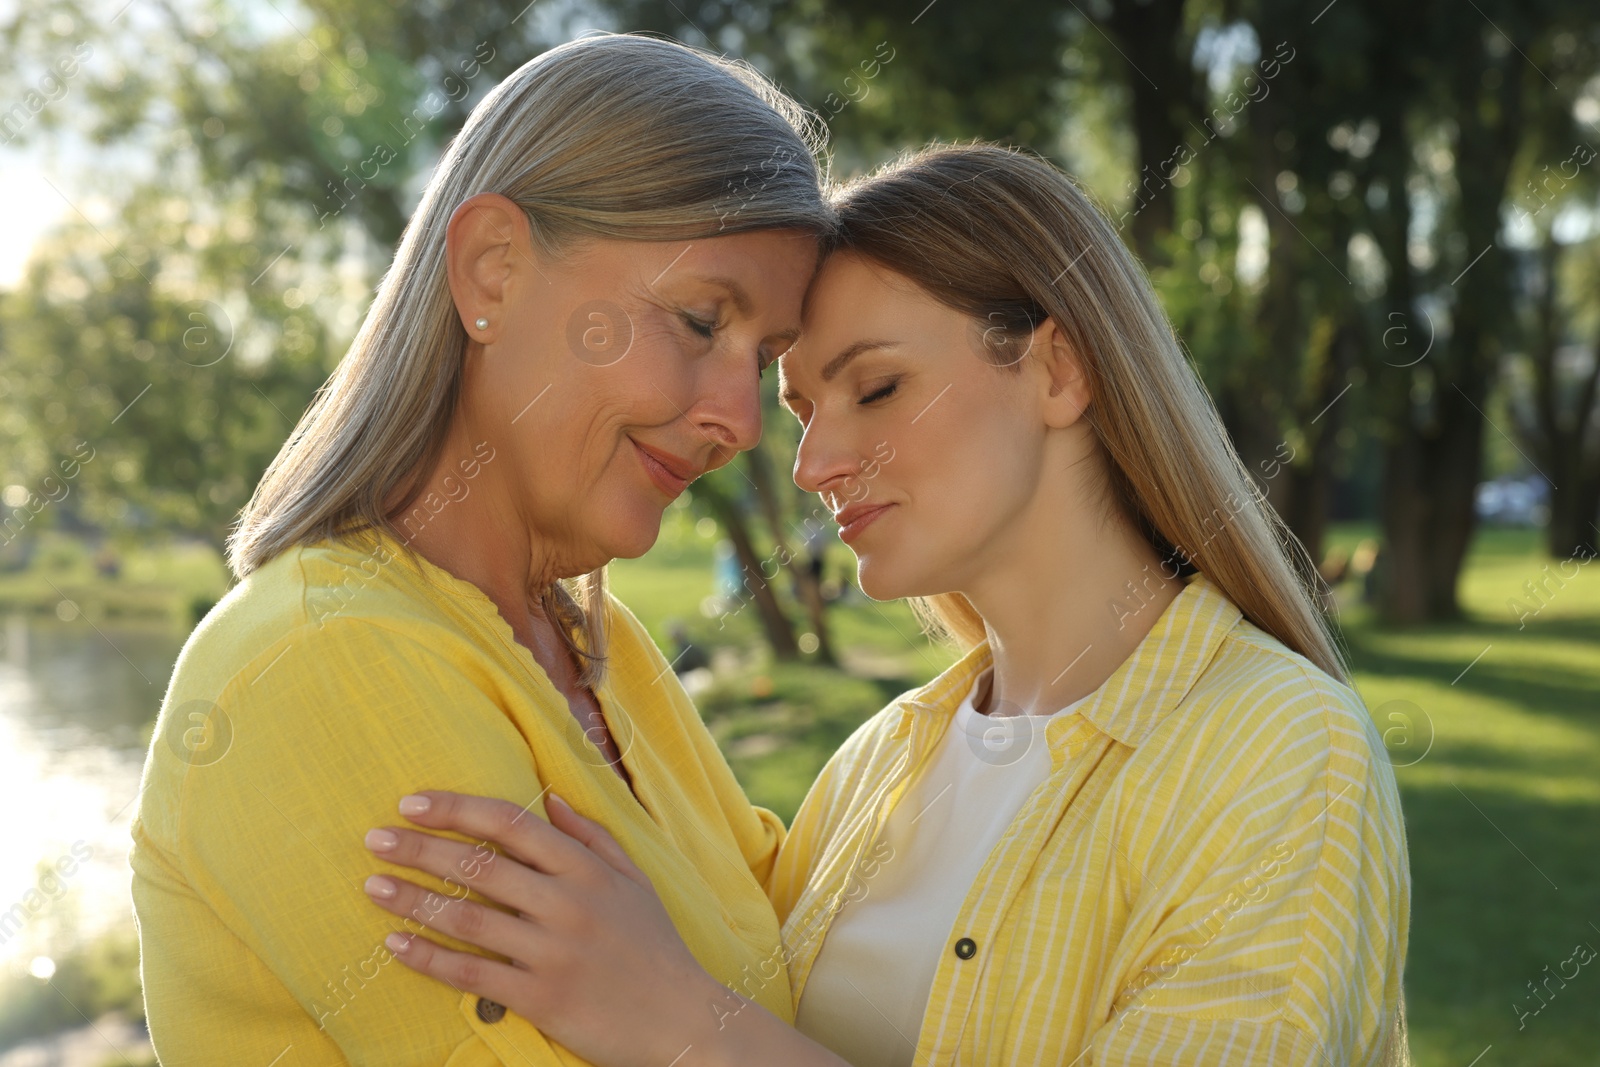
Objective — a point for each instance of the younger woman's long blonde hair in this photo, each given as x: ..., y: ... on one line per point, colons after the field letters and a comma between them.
x: 1010, y: 240
x: 611, y: 136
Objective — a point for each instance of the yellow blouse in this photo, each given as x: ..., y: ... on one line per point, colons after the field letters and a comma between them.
x: 328, y: 684
x: 1215, y: 871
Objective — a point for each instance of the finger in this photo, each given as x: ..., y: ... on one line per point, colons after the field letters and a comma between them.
x: 465, y: 920
x: 528, y: 838
x: 593, y: 836
x: 471, y: 866
x: 465, y: 971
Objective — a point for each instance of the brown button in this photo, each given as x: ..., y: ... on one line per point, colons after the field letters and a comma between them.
x: 489, y: 1011
x: 966, y: 948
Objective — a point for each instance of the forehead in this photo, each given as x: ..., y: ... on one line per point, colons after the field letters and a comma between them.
x: 756, y: 257
x: 850, y: 298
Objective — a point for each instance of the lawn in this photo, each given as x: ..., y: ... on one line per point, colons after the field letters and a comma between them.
x: 1502, y: 812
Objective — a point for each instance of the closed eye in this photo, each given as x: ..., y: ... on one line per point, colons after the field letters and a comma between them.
x: 704, y: 329
x: 881, y: 394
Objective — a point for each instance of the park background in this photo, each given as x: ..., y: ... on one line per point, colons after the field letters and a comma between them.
x: 1373, y: 224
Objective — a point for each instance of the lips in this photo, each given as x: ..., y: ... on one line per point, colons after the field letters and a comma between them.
x: 671, y: 474
x: 854, y: 519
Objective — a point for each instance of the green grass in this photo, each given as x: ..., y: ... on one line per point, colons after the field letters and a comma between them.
x: 166, y: 583
x: 1503, y: 812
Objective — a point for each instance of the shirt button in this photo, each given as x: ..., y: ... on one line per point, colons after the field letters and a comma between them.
x: 966, y: 948
x: 489, y: 1011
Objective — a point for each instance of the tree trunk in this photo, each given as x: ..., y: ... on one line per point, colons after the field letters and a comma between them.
x: 1434, y: 441
x: 806, y: 583
x: 1563, y: 435
x: 1572, y: 533
x: 779, y: 630
x: 1152, y: 38
x: 1310, y: 483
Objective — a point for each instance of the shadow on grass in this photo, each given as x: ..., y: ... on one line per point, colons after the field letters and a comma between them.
x: 1503, y: 888
x: 1505, y: 884
x: 1539, y: 688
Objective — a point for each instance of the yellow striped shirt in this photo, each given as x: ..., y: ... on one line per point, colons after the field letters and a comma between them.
x: 1215, y: 871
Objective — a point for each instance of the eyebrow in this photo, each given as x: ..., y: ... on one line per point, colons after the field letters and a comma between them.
x: 736, y: 292
x: 831, y: 369
x: 742, y: 304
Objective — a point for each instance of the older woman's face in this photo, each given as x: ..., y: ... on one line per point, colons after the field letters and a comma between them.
x: 618, y: 373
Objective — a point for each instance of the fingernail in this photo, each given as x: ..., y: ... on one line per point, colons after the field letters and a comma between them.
x: 553, y: 795
x: 397, y: 942
x: 382, y: 840
x: 380, y: 887
x: 414, y: 805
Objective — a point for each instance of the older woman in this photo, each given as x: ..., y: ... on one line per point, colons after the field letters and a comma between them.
x: 608, y: 255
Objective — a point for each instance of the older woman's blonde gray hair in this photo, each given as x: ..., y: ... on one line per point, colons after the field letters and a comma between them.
x: 611, y: 136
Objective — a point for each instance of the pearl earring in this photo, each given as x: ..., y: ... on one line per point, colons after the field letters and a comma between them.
x: 482, y: 324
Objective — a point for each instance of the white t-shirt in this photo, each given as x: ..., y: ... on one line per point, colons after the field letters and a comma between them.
x: 869, y: 985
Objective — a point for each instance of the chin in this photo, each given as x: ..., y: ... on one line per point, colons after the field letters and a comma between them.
x: 884, y: 581
x: 632, y: 533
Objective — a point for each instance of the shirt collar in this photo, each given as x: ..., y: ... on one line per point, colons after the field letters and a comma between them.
x: 1140, y: 692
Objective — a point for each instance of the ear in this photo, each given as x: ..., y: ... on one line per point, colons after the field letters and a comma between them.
x: 1064, y: 387
x: 488, y: 254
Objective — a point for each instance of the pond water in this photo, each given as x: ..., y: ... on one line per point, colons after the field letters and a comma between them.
x: 76, y: 703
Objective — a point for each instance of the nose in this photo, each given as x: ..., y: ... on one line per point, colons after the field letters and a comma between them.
x: 728, y: 412
x: 826, y: 464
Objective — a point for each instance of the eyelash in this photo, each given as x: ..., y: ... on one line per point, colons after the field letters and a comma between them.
x: 708, y: 330
x: 881, y: 394
x: 704, y: 329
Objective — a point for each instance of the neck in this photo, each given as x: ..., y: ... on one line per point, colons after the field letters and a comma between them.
x: 461, y: 522
x: 1056, y: 602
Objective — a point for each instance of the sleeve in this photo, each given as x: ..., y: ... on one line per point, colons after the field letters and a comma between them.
x: 792, y: 867
x: 758, y: 831
x: 816, y: 822
x: 259, y: 944
x: 1272, y: 927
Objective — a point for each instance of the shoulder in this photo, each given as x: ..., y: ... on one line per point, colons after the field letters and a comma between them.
x: 1255, y: 689
x: 311, y: 643
x: 327, y: 600
x: 1265, y: 736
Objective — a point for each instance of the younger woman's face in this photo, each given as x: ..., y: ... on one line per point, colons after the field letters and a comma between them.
x: 926, y: 452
